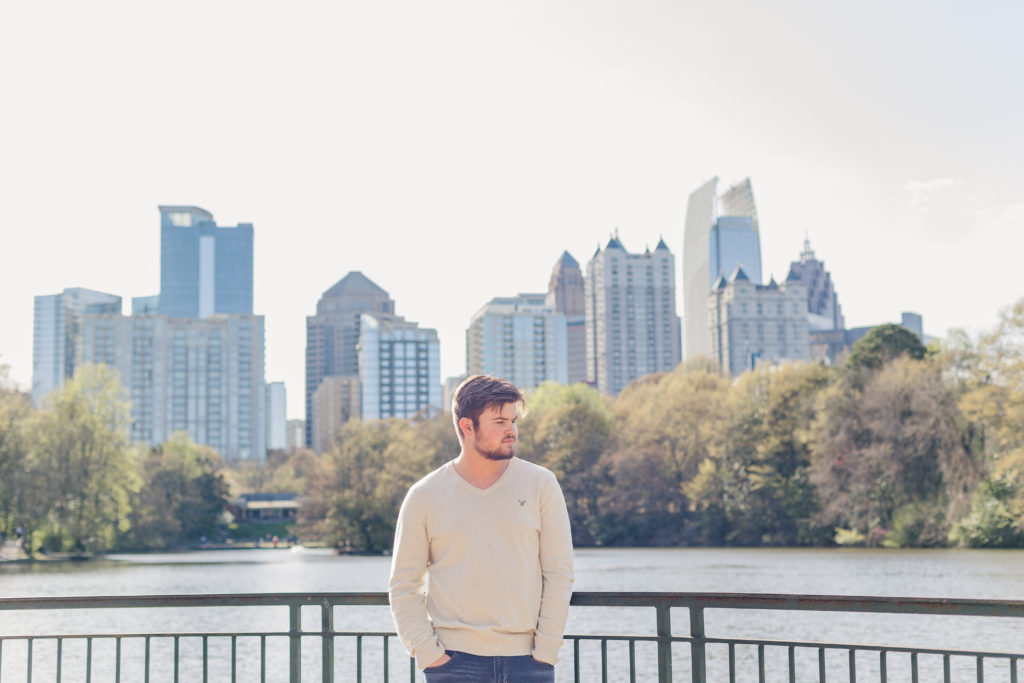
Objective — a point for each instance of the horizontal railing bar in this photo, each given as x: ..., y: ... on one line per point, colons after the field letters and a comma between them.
x: 620, y: 636
x: 215, y: 634
x: 813, y: 603
x: 767, y: 601
x: 189, y: 634
x: 213, y: 600
x: 798, y: 643
x: 862, y: 647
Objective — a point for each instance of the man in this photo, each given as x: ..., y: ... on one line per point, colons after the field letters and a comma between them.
x: 492, y: 534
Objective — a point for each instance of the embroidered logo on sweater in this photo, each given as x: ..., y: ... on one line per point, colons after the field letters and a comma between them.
x: 521, y: 502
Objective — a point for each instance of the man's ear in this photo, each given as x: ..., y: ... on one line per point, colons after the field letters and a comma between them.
x: 466, y: 425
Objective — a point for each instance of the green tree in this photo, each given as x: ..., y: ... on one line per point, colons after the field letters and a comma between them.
x: 356, y: 508
x: 15, y: 413
x: 881, y: 345
x: 889, y: 459
x: 667, y: 425
x: 568, y: 429
x: 183, y: 496
x: 755, y: 490
x: 289, y: 471
x: 991, y: 522
x: 992, y: 402
x: 81, y: 470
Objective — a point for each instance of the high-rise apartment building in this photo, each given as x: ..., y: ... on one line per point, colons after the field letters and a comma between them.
x: 192, y: 358
x: 521, y: 339
x: 823, y: 310
x: 204, y: 377
x: 399, y: 368
x: 631, y: 322
x: 335, y: 402
x: 721, y: 234
x: 753, y: 324
x: 566, y: 295
x: 296, y: 434
x: 277, y: 416
x: 332, y: 335
x: 204, y: 269
x: 56, y: 348
x: 448, y: 388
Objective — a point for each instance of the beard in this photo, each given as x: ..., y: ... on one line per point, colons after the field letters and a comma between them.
x: 498, y: 454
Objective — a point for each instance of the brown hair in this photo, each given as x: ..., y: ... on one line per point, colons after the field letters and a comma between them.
x: 478, y: 393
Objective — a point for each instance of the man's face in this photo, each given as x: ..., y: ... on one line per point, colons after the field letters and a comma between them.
x: 495, y: 436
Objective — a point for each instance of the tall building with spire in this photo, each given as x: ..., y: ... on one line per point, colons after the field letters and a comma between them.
x: 721, y: 234
x: 566, y: 296
x: 332, y: 335
x: 823, y: 310
x: 631, y: 323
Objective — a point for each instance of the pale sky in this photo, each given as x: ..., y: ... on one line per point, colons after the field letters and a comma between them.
x: 452, y: 150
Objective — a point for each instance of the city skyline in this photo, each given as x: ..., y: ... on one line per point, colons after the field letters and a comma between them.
x: 454, y: 154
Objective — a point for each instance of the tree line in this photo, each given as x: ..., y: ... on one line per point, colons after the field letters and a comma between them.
x: 897, y: 446
x: 70, y: 481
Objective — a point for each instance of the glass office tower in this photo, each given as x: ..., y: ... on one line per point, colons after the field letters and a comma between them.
x: 204, y: 269
x: 721, y: 234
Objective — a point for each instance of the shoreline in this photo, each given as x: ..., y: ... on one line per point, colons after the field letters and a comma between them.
x: 19, y: 557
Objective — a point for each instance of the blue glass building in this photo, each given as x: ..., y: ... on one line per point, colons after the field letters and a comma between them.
x: 734, y: 244
x: 204, y: 269
x: 721, y: 234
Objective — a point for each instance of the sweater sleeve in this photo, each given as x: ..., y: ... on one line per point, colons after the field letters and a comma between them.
x: 406, y: 589
x: 556, y: 572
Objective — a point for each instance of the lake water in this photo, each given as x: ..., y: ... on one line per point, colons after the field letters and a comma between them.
x: 916, y: 573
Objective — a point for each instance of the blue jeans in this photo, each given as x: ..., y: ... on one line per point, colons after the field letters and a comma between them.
x: 466, y: 668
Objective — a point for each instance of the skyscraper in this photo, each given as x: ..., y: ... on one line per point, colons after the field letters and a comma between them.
x: 190, y: 359
x: 204, y: 269
x: 631, y: 322
x: 566, y: 295
x: 202, y: 376
x: 56, y: 349
x: 399, y: 368
x: 333, y: 333
x: 520, y: 338
x: 721, y: 233
x: 823, y: 310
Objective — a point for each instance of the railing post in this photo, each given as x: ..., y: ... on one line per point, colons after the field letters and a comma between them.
x: 295, y: 643
x: 698, y: 666
x: 664, y: 645
x: 327, y: 640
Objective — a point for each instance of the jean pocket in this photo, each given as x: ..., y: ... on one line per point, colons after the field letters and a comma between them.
x: 441, y: 667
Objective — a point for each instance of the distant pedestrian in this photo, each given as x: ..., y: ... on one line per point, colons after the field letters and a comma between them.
x: 491, y: 533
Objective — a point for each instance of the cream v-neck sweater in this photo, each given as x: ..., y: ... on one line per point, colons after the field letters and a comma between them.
x: 498, y: 564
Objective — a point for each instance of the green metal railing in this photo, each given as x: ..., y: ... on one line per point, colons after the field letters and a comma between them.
x: 221, y: 648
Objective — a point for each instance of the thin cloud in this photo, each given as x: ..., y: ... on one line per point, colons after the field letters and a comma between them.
x: 923, y: 193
